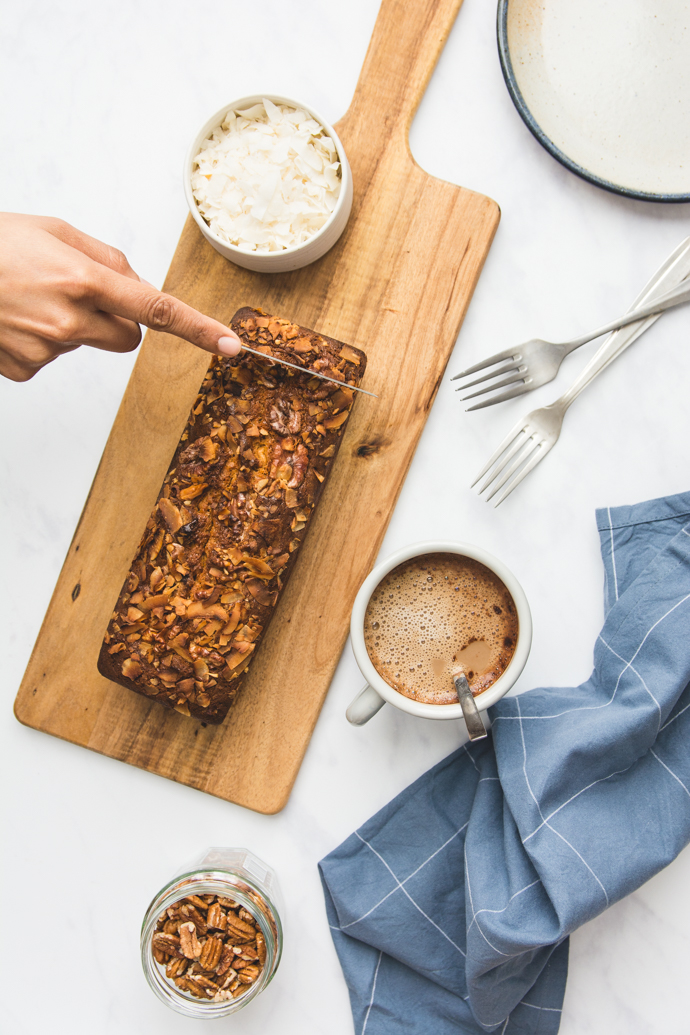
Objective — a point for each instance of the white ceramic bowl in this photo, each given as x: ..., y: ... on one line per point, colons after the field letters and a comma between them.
x: 377, y: 691
x: 289, y: 258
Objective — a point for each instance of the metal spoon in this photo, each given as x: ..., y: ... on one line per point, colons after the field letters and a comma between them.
x: 473, y: 720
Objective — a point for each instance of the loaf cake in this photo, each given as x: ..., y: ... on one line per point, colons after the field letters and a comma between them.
x: 234, y: 508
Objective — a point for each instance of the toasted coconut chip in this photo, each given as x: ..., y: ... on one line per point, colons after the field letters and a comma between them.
x: 131, y: 668
x: 201, y: 610
x: 170, y: 515
x: 259, y: 591
x: 257, y: 567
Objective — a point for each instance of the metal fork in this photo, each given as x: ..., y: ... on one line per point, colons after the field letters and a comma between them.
x: 537, y: 362
x: 534, y: 436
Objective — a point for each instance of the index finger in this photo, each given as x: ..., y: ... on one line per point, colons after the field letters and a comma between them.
x: 142, y: 303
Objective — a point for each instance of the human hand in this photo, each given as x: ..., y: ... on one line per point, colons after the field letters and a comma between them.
x: 60, y: 289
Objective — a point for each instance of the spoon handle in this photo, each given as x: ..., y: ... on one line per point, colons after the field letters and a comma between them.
x: 473, y: 720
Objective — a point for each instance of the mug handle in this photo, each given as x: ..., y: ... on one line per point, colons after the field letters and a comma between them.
x: 364, y: 706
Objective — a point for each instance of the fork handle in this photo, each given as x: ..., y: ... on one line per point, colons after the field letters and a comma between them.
x: 645, y: 315
x: 672, y: 298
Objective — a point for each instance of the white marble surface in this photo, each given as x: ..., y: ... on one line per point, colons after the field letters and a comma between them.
x: 98, y: 104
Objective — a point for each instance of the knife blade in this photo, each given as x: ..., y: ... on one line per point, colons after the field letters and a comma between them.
x: 306, y: 370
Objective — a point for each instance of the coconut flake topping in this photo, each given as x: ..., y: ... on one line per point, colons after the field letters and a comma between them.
x: 267, y: 178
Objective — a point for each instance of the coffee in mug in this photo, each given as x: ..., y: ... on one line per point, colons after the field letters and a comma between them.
x: 435, y: 615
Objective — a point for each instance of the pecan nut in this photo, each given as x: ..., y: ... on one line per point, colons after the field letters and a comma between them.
x: 211, y: 953
x: 227, y: 960
x: 176, y: 967
x: 216, y: 917
x: 239, y: 930
x: 168, y: 943
x: 261, y: 948
x: 189, y: 943
x: 248, y: 975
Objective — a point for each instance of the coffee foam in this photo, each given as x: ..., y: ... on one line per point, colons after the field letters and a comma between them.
x: 435, y: 616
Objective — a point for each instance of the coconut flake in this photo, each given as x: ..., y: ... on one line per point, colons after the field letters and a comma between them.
x: 268, y: 178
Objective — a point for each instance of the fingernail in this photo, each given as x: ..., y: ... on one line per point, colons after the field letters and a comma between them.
x: 148, y: 283
x: 229, y: 346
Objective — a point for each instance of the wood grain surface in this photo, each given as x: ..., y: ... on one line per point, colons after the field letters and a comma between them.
x: 397, y: 285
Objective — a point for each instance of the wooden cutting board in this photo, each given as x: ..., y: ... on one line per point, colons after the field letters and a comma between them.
x: 397, y: 285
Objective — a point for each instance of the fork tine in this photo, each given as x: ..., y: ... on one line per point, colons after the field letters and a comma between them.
x: 512, y: 393
x: 517, y: 447
x: 506, y: 368
x: 505, y: 444
x: 516, y: 375
x: 533, y: 443
x: 500, y: 357
x: 536, y: 456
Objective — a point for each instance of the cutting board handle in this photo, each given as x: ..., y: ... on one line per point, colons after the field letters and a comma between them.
x: 408, y: 38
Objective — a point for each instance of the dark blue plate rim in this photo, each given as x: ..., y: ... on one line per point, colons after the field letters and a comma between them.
x: 545, y: 141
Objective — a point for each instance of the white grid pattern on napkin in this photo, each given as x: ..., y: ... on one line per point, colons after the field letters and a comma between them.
x: 613, y: 553
x: 399, y: 883
x: 406, y: 892
x: 373, y: 992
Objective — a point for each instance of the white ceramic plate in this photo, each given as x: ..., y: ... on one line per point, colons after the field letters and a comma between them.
x: 604, y: 85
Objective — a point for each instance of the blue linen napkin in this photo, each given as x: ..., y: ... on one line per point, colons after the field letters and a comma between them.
x: 451, y: 908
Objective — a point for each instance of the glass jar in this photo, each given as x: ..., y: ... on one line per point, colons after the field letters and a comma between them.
x: 231, y: 873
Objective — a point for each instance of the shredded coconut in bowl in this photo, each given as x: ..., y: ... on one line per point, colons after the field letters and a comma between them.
x: 268, y: 178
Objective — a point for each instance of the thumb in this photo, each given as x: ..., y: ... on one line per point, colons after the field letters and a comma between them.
x: 142, y: 303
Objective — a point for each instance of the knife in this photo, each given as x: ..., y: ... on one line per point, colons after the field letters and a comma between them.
x: 306, y: 370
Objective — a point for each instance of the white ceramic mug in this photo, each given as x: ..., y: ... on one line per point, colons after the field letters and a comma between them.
x: 377, y: 691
